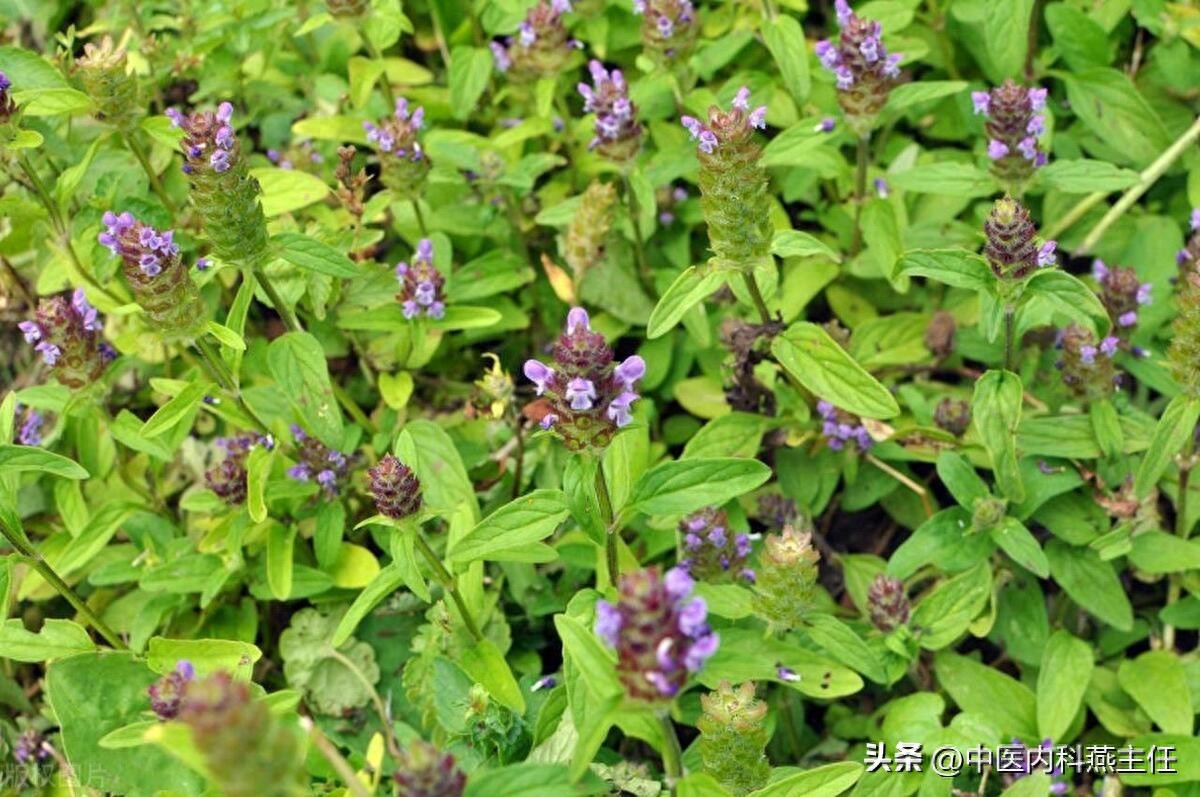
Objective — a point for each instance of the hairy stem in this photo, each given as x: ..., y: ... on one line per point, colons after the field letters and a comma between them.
x: 756, y: 295
x: 1009, y: 314
x: 385, y: 84
x: 672, y: 753
x: 156, y: 185
x: 612, y: 539
x: 330, y: 753
x: 448, y: 584
x: 285, y: 312
x: 860, y: 190
x: 639, y: 248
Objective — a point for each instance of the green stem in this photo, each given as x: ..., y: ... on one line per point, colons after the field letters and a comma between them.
x: 351, y: 406
x: 51, y: 577
x: 756, y: 295
x: 385, y: 83
x: 376, y: 700
x: 769, y: 10
x: 1174, y: 586
x: 336, y: 760
x: 416, y: 206
x: 860, y: 190
x: 285, y: 312
x: 1147, y: 179
x: 447, y: 581
x: 611, y: 537
x: 672, y: 753
x: 647, y: 276
x: 1009, y: 314
x: 155, y: 183
x: 219, y: 372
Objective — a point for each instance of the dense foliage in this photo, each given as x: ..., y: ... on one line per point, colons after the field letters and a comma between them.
x: 563, y: 397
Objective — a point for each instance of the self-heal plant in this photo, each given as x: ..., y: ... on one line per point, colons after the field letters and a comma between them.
x: 887, y: 603
x: 166, y: 694
x: 104, y: 72
x: 864, y: 70
x: 159, y: 280
x: 840, y: 428
x: 733, y: 737
x: 403, y: 165
x: 227, y: 477
x: 587, y: 397
x: 68, y: 334
x: 618, y: 132
x: 395, y: 489
x: 541, y: 45
x: 421, y: 284
x: 1087, y: 364
x: 317, y: 462
x: 1183, y: 354
x: 787, y: 578
x: 1015, y: 121
x: 425, y: 771
x: 669, y: 29
x: 1122, y: 293
x: 712, y: 551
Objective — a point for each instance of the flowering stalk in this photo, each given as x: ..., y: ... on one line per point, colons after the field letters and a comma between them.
x: 424, y: 771
x: 669, y: 29
x: 1015, y: 119
x: 226, y: 197
x: 1122, y: 294
x: 67, y: 334
x: 733, y: 737
x: 1087, y: 366
x: 787, y: 578
x: 540, y: 48
x: 583, y: 245
x: 403, y: 164
x: 887, y: 603
x: 1013, y: 253
x: 712, y: 552
x: 421, y: 284
x: 865, y: 72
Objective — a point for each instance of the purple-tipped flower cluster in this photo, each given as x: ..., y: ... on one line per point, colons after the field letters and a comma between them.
x: 1015, y: 121
x: 585, y: 396
x: 839, y: 428
x: 864, y: 69
x: 1121, y: 293
x: 227, y: 478
x: 421, y: 284
x: 887, y: 603
x: 659, y: 630
x: 166, y: 694
x: 31, y: 746
x: 303, y: 152
x: 139, y: 244
x: 712, y: 551
x: 209, y: 142
x: 395, y: 488
x: 1087, y: 366
x: 1188, y: 258
x: 541, y: 46
x: 30, y: 431
x: 669, y: 28
x: 8, y: 107
x: 67, y: 335
x: 1011, y: 246
x: 403, y: 163
x: 733, y: 126
x: 618, y: 133
x: 317, y: 462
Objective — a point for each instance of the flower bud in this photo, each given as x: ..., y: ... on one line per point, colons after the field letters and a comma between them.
x: 987, y: 513
x: 228, y: 477
x: 248, y: 752
x: 733, y: 183
x: 67, y: 333
x: 395, y: 488
x: 421, y: 284
x: 423, y: 771
x: 1184, y: 351
x: 1011, y: 248
x: 1122, y: 294
x: 166, y: 694
x: 712, y: 551
x: 953, y: 415
x: 589, y: 397
x: 403, y: 165
x: 787, y: 578
x: 541, y: 46
x: 160, y: 282
x: 887, y: 603
x: 1015, y: 121
x: 864, y: 70
x: 660, y: 632
x: 224, y: 194
x: 317, y: 462
x: 495, y: 390
x: 104, y: 72
x: 669, y: 29
x: 733, y: 738
x: 618, y: 133
x: 1086, y: 366
x: 589, y: 228
x: 31, y: 746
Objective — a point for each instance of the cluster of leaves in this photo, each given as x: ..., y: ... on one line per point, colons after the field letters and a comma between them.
x: 290, y: 480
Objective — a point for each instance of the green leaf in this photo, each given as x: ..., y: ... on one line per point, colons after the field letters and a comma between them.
x: 428, y: 450
x: 28, y: 70
x: 1117, y: 114
x: 1083, y: 176
x: 996, y: 412
x: 785, y: 39
x: 52, y: 102
x: 955, y: 267
x: 18, y: 459
x: 1006, y: 36
x: 1091, y: 583
x: 1069, y: 296
x: 386, y: 581
x: 1159, y: 683
x: 280, y: 542
x: 1063, y: 677
x: 511, y: 528
x: 170, y: 414
x: 258, y: 470
x: 688, y: 289
x: 485, y: 663
x: 205, y: 655
x: 1019, y: 543
x: 827, y: 781
x: 1106, y: 423
x: 825, y: 368
x: 331, y: 128
x: 333, y: 678
x: 960, y: 479
x: 979, y: 689
x: 313, y: 255
x: 363, y: 73
x: 946, y: 178
x: 1175, y: 427
x: 57, y: 638
x: 527, y: 779
x: 470, y: 69
x: 1160, y: 552
x: 227, y: 337
x: 945, y: 614
x: 1035, y: 784
x: 297, y: 362
x: 909, y: 94
x: 285, y: 190
x: 845, y: 646
x: 676, y: 488
x: 596, y: 664
x: 793, y: 243
x: 738, y: 434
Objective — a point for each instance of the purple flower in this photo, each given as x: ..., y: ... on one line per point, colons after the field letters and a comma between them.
x: 581, y: 393
x: 538, y: 373
x: 997, y: 149
x: 31, y: 331
x: 826, y: 125
x: 881, y: 187
x: 577, y: 320
x: 30, y: 433
x: 1143, y: 293
x: 629, y: 371
x: 1046, y: 256
x: 618, y: 409
x: 202, y: 264
x: 1087, y: 354
x: 1109, y: 345
x: 50, y: 352
x: 1195, y: 220
x: 5, y: 83
x: 980, y: 100
x: 1127, y: 319
x: 1028, y: 148
x: 1037, y: 98
x: 827, y: 54
x: 842, y: 9
x: 787, y: 674
x: 608, y: 622
x: 500, y: 56
x: 1099, y: 270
